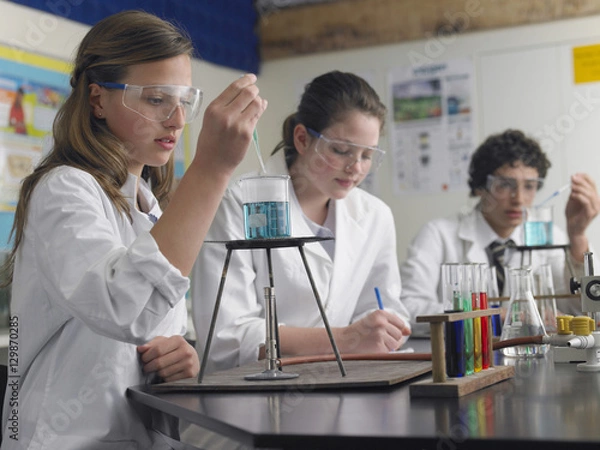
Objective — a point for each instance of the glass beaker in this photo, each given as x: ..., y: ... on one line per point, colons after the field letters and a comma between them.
x: 522, y: 316
x: 538, y: 225
x: 266, y: 206
x: 544, y: 286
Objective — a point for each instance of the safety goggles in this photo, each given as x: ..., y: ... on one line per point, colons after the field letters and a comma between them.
x: 503, y: 187
x: 341, y: 155
x: 157, y: 103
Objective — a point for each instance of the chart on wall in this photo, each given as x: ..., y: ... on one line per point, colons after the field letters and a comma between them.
x: 32, y: 88
x: 432, y: 126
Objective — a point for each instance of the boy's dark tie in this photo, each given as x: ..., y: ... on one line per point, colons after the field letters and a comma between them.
x: 497, y: 250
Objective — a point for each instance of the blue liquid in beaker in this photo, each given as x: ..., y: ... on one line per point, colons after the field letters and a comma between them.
x: 538, y: 233
x: 265, y: 220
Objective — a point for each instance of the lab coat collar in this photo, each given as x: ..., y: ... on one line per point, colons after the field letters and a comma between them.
x: 348, y: 230
x: 476, y: 233
x: 129, y: 189
x: 147, y: 200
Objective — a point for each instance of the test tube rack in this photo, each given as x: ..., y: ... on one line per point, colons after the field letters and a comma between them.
x: 441, y: 386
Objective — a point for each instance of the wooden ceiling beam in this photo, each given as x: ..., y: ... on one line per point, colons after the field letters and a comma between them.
x: 350, y: 24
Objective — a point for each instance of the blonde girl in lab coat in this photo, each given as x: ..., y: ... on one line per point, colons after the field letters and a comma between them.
x: 99, y: 273
x: 329, y: 146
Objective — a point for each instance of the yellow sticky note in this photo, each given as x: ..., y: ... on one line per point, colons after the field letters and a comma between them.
x: 586, y: 64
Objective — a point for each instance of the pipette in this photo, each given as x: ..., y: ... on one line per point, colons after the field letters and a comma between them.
x: 263, y: 171
x: 554, y: 194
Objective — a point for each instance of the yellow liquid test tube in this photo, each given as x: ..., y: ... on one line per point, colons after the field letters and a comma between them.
x: 478, y: 359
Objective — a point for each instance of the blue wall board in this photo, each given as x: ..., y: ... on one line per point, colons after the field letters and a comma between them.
x: 223, y: 31
x: 6, y: 222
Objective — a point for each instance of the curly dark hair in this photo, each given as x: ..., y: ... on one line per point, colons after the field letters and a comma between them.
x: 508, y: 147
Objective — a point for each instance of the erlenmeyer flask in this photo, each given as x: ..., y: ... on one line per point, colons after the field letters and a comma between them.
x: 522, y: 316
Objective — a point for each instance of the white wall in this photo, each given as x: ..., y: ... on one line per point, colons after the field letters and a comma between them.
x: 523, y: 80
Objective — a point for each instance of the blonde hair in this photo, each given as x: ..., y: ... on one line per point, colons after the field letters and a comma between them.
x: 85, y: 142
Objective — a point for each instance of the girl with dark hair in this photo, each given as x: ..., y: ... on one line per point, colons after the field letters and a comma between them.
x: 99, y: 272
x: 329, y: 146
x: 505, y: 173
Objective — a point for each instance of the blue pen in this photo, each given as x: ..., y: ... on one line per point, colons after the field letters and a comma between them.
x: 378, y: 295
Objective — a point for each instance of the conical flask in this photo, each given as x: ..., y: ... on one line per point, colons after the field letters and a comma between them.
x: 522, y: 316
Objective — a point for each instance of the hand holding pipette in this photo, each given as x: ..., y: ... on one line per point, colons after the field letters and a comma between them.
x: 582, y: 207
x: 554, y: 194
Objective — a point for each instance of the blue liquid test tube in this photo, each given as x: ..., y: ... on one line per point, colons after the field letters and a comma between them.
x: 454, y: 343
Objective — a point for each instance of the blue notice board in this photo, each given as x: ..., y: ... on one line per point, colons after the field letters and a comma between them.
x: 6, y: 222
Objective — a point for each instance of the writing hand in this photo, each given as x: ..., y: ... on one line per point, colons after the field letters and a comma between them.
x: 379, y: 332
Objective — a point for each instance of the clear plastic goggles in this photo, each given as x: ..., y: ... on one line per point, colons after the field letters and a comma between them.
x: 341, y: 155
x: 503, y: 187
x: 157, y: 103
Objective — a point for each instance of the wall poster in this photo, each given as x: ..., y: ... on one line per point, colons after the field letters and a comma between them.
x: 32, y: 88
x: 432, y: 126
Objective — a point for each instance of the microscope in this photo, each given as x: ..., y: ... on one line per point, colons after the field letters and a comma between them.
x: 577, y: 339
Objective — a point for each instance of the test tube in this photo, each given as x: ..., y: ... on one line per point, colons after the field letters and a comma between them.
x: 492, y: 290
x: 451, y: 286
x: 467, y: 281
x: 454, y: 342
x: 475, y: 305
x: 485, y: 321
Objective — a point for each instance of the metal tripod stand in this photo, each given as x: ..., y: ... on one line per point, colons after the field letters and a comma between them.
x: 271, y: 316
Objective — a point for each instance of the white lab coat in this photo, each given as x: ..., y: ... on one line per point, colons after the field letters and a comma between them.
x: 464, y: 238
x: 89, y: 286
x: 365, y: 257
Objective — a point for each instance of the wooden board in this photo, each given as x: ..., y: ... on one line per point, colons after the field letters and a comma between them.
x: 456, y: 316
x: 322, y: 375
x: 353, y: 24
x: 457, y: 387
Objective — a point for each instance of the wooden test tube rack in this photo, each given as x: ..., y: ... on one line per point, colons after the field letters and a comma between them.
x: 439, y: 385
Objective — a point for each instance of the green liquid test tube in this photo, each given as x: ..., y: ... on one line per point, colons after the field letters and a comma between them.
x: 467, y: 281
x: 469, y: 356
